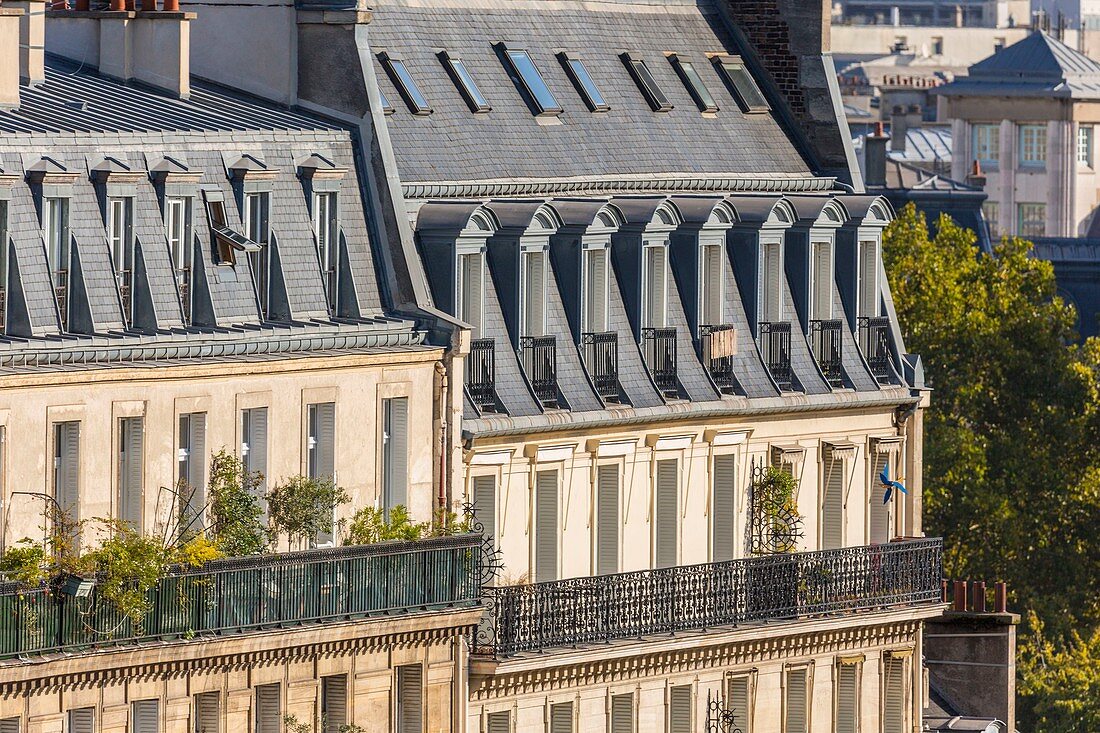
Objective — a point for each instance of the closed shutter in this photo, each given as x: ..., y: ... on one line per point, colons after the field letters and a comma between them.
x: 546, y: 526
x: 499, y: 722
x: 485, y: 503
x: 737, y: 692
x: 395, y: 470
x: 535, y: 305
x: 723, y: 507
x: 823, y: 282
x: 322, y: 441
x: 880, y: 513
x: 409, y: 696
x: 847, y: 698
x: 797, y: 714
x: 561, y: 717
x: 254, y: 435
x: 868, y: 279
x: 470, y: 297
x: 146, y: 716
x: 893, y: 703
x: 268, y: 709
x: 607, y: 519
x: 597, y: 291
x: 9, y: 725
x: 772, y: 277
x: 622, y: 713
x: 67, y: 468
x: 711, y: 286
x: 334, y: 702
x: 81, y: 720
x: 832, y: 504
x: 196, y: 464
x: 130, y: 459
x: 667, y: 512
x: 208, y: 712
x: 679, y: 709
x: 656, y: 293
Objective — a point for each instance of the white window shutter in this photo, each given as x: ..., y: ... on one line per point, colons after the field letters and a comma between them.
x: 535, y: 304
x: 67, y: 472
x: 723, y: 507
x: 597, y: 291
x: 196, y: 463
x: 485, y: 503
x: 832, y: 504
x: 410, y: 696
x: 130, y: 464
x: 470, y: 299
x: 772, y: 283
x: 738, y: 701
x: 880, y: 513
x: 9, y: 725
x: 257, y: 444
x: 711, y: 286
x: 679, y: 709
x: 323, y: 439
x: 334, y: 702
x: 847, y: 699
x: 868, y: 279
x: 668, y: 506
x: 395, y: 478
x: 546, y: 526
x: 269, y: 709
x: 822, y: 282
x: 145, y: 715
x: 81, y: 720
x: 893, y: 704
x: 561, y: 717
x: 208, y: 712
x: 607, y: 519
x: 797, y: 715
x: 656, y: 293
x: 499, y: 722
x: 622, y: 713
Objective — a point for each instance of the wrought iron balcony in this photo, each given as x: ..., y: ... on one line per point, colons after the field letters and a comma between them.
x: 540, y: 362
x: 719, y: 344
x: 601, y: 356
x: 826, y: 342
x: 775, y: 347
x: 874, y: 342
x: 659, y: 347
x: 226, y: 597
x: 61, y: 293
x: 569, y: 613
x: 124, y: 278
x: 183, y: 278
x: 481, y: 369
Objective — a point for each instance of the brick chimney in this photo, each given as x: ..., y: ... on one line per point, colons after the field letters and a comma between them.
x: 9, y: 56
x: 976, y: 176
x: 32, y: 39
x: 874, y: 156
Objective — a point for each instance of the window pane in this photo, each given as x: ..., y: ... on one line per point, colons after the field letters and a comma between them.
x: 584, y: 83
x: 402, y: 78
x: 992, y: 212
x: 1033, y: 145
x: 742, y: 85
x: 987, y: 144
x: 648, y: 84
x: 695, y: 85
x: 1031, y: 220
x: 1084, y: 145
x: 466, y: 84
x: 532, y: 80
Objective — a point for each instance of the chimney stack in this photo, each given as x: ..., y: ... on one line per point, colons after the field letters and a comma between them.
x: 32, y: 39
x: 9, y: 56
x: 874, y: 156
x: 976, y: 177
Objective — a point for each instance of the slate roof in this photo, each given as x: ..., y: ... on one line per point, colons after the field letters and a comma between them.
x: 630, y: 140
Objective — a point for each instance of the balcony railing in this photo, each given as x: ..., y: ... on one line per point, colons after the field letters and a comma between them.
x: 263, y: 592
x: 61, y: 292
x: 775, y: 347
x: 719, y: 346
x: 183, y: 278
x: 827, y: 346
x: 569, y: 613
x: 659, y: 347
x: 481, y: 369
x: 124, y: 278
x: 601, y: 356
x: 540, y: 362
x: 874, y: 341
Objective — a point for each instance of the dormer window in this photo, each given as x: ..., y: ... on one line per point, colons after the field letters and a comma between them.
x: 468, y: 293
x: 646, y: 82
x: 120, y: 237
x: 326, y: 232
x: 771, y: 282
x: 177, y: 228
x: 595, y: 290
x: 534, y: 293
x: 655, y: 286
x: 55, y: 232
x: 821, y: 282
x: 229, y: 242
x: 711, y: 285
x: 527, y: 76
x: 257, y: 223
x: 406, y: 86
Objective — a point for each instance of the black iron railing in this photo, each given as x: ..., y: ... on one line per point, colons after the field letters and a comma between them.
x: 246, y: 594
x: 61, y: 293
x: 124, y: 278
x: 659, y: 347
x: 3, y: 308
x: 481, y: 369
x: 775, y: 347
x: 569, y: 613
x: 718, y: 346
x: 540, y: 362
x: 874, y: 342
x: 601, y: 356
x: 826, y: 342
x: 183, y: 278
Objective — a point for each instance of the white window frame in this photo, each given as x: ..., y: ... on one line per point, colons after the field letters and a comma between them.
x: 1032, y: 146
x: 1085, y: 138
x: 326, y: 232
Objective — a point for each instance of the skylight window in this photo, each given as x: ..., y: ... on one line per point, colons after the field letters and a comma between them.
x: 643, y: 77
x: 387, y: 108
x: 525, y: 74
x: 741, y: 84
x: 694, y: 83
x: 464, y: 80
x: 582, y: 80
x: 403, y: 80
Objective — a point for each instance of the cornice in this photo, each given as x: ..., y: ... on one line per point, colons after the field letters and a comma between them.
x: 609, y: 186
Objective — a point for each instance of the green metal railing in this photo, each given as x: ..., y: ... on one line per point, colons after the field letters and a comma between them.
x: 247, y: 594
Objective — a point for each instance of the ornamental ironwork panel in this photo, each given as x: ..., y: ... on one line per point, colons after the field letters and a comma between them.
x: 774, y: 522
x: 874, y: 342
x: 61, y: 293
x: 570, y: 613
x: 124, y: 278
x: 775, y: 348
x: 540, y: 363
x: 601, y: 356
x: 659, y: 347
x: 717, y: 353
x: 481, y: 373
x: 721, y: 719
x: 183, y: 279
x: 825, y: 340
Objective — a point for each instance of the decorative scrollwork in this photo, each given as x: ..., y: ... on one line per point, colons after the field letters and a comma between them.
x: 719, y: 718
x: 776, y: 525
x: 491, y: 561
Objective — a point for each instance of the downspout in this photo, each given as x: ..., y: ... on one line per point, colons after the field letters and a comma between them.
x: 441, y: 389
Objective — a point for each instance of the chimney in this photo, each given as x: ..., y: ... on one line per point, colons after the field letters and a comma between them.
x: 874, y: 157
x: 976, y: 177
x: 899, y: 126
x: 9, y: 56
x: 32, y: 39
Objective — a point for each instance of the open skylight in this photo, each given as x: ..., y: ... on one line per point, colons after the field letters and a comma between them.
x: 464, y: 80
x: 524, y: 72
x: 403, y: 80
x: 741, y: 84
x: 582, y: 80
x: 694, y: 83
x: 643, y: 77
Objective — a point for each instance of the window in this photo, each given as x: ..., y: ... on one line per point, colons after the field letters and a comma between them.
x: 191, y: 477
x: 622, y: 713
x: 991, y: 210
x: 254, y: 450
x: 582, y: 80
x: 895, y: 703
x: 796, y: 708
x: 498, y: 722
x: 55, y: 232
x: 327, y: 233
x: 847, y: 697
x: 868, y: 279
x: 403, y: 80
x: 986, y: 144
x: 607, y: 519
x: 464, y: 80
x: 680, y: 705
x: 9, y: 725
x: 120, y: 235
x: 66, y: 468
x: 334, y: 703
x: 880, y: 527
x: 528, y: 78
x: 723, y: 508
x: 595, y: 290
x: 395, y: 452
x: 561, y: 717
x: 643, y: 77
x: 321, y: 449
x: 468, y: 300
x: 771, y: 282
x: 741, y: 84
x: 229, y: 241
x: 694, y: 83
x: 145, y: 716
x: 130, y: 469
x: 257, y: 212
x: 387, y: 108
x: 937, y: 45
x: 738, y: 702
x: 80, y: 720
x: 655, y: 287
x: 177, y: 227
x: 998, y: 44
x: 1033, y: 146
x: 268, y: 712
x: 821, y: 282
x: 207, y: 712
x: 546, y: 526
x: 833, y: 485
x: 534, y: 293
x: 484, y: 501
x: 1084, y: 145
x: 410, y: 695
x: 667, y: 503
x: 711, y: 285
x: 1031, y: 220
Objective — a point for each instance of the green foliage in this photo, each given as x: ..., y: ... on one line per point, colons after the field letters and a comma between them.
x: 293, y: 725
x: 129, y: 565
x: 369, y: 525
x: 782, y: 506
x: 26, y: 562
x: 302, y: 508
x: 235, y: 511
x: 1060, y: 683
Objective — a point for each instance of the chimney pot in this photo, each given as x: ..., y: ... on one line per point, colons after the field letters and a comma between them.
x: 83, y: 5
x: 1000, y: 597
x: 148, y: 6
x: 978, y: 589
x: 874, y: 156
x: 960, y: 596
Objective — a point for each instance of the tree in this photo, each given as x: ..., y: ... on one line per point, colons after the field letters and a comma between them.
x: 235, y: 511
x: 302, y: 508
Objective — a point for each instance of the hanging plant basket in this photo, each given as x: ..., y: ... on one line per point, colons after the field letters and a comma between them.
x: 77, y: 586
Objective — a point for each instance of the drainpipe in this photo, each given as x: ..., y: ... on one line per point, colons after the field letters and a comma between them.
x: 441, y: 389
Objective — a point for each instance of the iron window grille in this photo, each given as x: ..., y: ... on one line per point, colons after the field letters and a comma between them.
x: 481, y: 373
x: 694, y: 83
x: 583, y: 81
x: 825, y: 337
x: 406, y: 86
x: 741, y: 84
x: 659, y: 346
x: 874, y: 341
x: 464, y: 80
x: 526, y: 75
x: 601, y: 356
x: 540, y: 362
x: 775, y: 347
x: 720, y: 364
x: 646, y: 82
